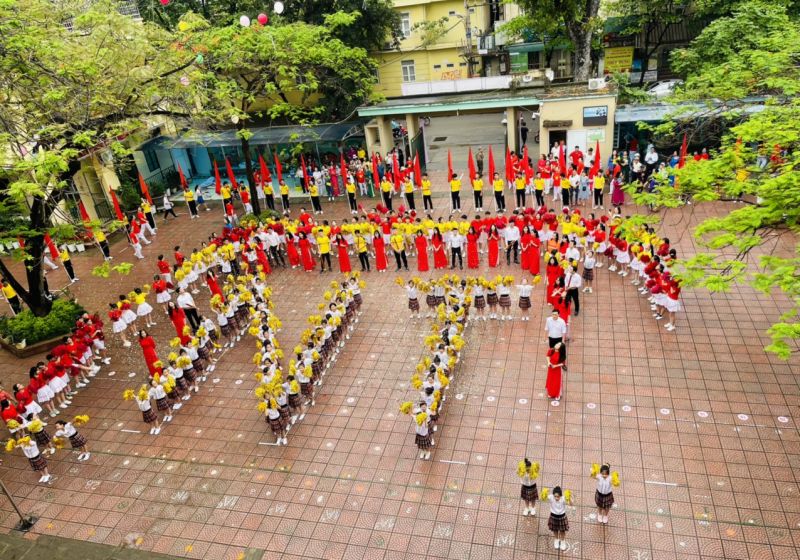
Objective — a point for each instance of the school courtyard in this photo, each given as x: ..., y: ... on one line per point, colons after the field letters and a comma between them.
x: 701, y: 424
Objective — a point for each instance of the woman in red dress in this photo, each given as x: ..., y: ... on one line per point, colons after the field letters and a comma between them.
x: 178, y: 318
x: 439, y: 254
x: 473, y: 261
x: 149, y: 348
x: 553, y: 271
x: 305, y: 252
x: 344, y: 258
x: 380, y: 251
x: 494, y: 246
x: 291, y: 251
x: 560, y: 302
x: 525, y: 247
x: 555, y: 364
x: 213, y: 285
x: 422, y: 252
x: 536, y: 257
x: 261, y: 256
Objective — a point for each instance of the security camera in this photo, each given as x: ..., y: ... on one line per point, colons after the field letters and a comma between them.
x: 534, y: 116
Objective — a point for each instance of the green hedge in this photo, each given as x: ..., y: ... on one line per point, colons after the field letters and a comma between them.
x: 26, y: 326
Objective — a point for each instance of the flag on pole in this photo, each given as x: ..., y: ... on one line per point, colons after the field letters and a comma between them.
x: 526, y: 164
x: 343, y: 165
x: 231, y: 175
x: 509, y: 166
x: 51, y: 246
x: 305, y: 173
x: 491, y: 165
x: 596, y: 165
x: 117, y: 208
x: 376, y: 178
x: 471, y: 166
x: 265, y: 176
x: 396, y: 174
x: 85, y: 218
x: 145, y: 190
x: 417, y: 170
x: 562, y: 160
x: 278, y: 169
x: 684, y: 148
x: 449, y: 166
x: 217, y: 179
x: 184, y: 183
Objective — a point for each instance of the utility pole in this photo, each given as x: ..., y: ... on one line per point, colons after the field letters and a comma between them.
x: 468, y: 26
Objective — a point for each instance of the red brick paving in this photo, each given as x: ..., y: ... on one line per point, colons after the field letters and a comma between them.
x: 349, y: 485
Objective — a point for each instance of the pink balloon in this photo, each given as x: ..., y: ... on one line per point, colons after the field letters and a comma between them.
x: 164, y: 2
x: 263, y: 19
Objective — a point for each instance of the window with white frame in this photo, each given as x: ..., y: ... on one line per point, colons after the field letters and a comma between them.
x: 409, y: 73
x: 405, y: 24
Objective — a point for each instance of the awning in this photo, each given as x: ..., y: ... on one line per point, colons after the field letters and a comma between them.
x: 526, y: 48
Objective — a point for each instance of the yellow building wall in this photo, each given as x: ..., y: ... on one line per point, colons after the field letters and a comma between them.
x: 439, y: 61
x: 571, y: 109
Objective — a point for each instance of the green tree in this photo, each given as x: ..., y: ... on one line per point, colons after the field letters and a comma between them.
x: 753, y: 52
x: 72, y: 76
x: 285, y: 73
x: 577, y: 18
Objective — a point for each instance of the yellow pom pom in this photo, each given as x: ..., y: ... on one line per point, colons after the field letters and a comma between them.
x: 362, y: 284
x: 420, y: 418
x: 262, y: 407
x: 416, y: 383
x: 35, y: 426
x: 12, y: 424
x: 594, y: 470
x: 521, y: 469
x: 537, y: 279
x: 568, y: 496
x: 543, y: 494
x: 175, y: 342
x: 81, y: 419
x: 143, y: 395
x: 259, y: 376
x: 127, y: 394
x: 399, y: 281
x: 172, y: 356
x: 294, y: 387
x: 534, y: 470
x: 10, y: 445
x: 615, y: 478
x: 406, y: 407
x: 257, y: 358
x: 327, y: 295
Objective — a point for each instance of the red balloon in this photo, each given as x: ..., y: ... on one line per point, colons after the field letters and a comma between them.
x: 164, y: 2
x: 263, y: 19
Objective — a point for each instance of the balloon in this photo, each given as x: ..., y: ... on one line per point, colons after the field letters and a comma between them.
x: 263, y: 19
x: 185, y: 80
x: 182, y: 25
x: 199, y: 59
x: 244, y: 21
x: 278, y: 7
x: 164, y: 2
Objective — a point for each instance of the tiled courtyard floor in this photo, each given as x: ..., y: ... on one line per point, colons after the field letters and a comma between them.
x: 701, y: 424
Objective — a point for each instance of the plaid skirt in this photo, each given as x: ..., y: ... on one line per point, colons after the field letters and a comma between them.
x: 480, y: 302
x: 162, y: 404
x: 149, y: 416
x: 529, y: 493
x: 439, y: 300
x: 198, y: 364
x: 42, y: 438
x: 413, y: 304
x: 430, y: 300
x: 204, y: 353
x: 38, y: 463
x: 491, y: 299
x: 189, y: 375
x: 588, y: 274
x: 212, y: 335
x: 505, y: 300
x: 77, y: 440
x: 423, y: 442
x: 285, y: 413
x: 180, y: 384
x: 558, y: 523
x: 524, y: 302
x: 307, y: 389
x: 316, y: 369
x: 277, y: 425
x: 603, y: 501
x: 294, y: 400
x: 358, y: 299
x: 226, y: 329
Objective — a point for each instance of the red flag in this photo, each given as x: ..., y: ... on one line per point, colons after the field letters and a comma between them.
x: 184, y: 183
x: 50, y: 245
x: 231, y: 176
x: 526, y: 164
x: 217, y: 179
x: 491, y: 165
x: 344, y: 169
x: 471, y: 166
x: 449, y: 166
x: 509, y: 166
x: 417, y: 170
x: 562, y: 160
x: 596, y: 165
x: 115, y: 202
x: 278, y: 169
x: 144, y: 189
x: 265, y: 176
x: 396, y: 174
x: 375, y: 176
x: 84, y: 214
x: 21, y: 241
x: 305, y: 173
x: 684, y: 147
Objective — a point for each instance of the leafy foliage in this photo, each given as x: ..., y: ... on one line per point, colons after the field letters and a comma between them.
x: 32, y: 329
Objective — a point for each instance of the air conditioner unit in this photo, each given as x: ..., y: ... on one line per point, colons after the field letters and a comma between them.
x: 527, y: 78
x: 597, y: 83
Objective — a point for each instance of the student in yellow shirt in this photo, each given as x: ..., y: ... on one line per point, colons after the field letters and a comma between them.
x: 599, y: 185
x: 538, y: 189
x: 398, y: 244
x: 427, y: 201
x: 499, y: 196
x: 102, y: 241
x: 455, y: 193
x: 284, y: 190
x: 188, y: 196
x: 65, y: 259
x: 313, y: 192
x: 386, y: 193
x: 408, y: 190
x: 363, y: 251
x: 324, y: 247
x: 519, y: 189
x: 269, y: 195
x: 11, y: 296
x: 350, y: 187
x: 147, y: 208
x: 225, y: 192
x: 477, y: 192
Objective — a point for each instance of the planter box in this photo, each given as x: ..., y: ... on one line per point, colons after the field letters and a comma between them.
x: 81, y: 248
x: 71, y: 247
x: 32, y: 349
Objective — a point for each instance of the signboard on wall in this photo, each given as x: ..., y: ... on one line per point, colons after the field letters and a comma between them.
x: 594, y: 135
x: 618, y: 59
x: 597, y: 115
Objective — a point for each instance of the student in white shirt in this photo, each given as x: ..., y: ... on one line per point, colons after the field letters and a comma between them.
x: 603, y: 496
x: 524, y: 290
x: 556, y: 329
x: 589, y: 263
x: 413, y: 299
x: 572, y: 284
x: 456, y: 242
x: 511, y: 236
x: 558, y: 522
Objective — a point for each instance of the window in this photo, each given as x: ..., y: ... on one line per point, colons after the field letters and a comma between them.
x: 535, y: 60
x: 151, y: 159
x: 462, y: 63
x: 409, y: 74
x: 405, y: 24
x: 437, y: 66
x: 451, y: 65
x: 451, y: 13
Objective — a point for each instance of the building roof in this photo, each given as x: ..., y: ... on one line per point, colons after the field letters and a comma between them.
x: 658, y: 112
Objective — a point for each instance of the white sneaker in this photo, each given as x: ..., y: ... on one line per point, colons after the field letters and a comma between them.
x: 671, y: 328
x: 106, y: 361
x: 556, y: 544
x: 563, y: 545
x: 285, y: 441
x: 176, y: 406
x: 525, y: 512
x: 533, y: 511
x: 157, y: 431
x: 428, y: 456
x: 152, y: 431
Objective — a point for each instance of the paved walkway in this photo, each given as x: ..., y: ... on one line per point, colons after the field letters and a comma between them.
x: 697, y: 421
